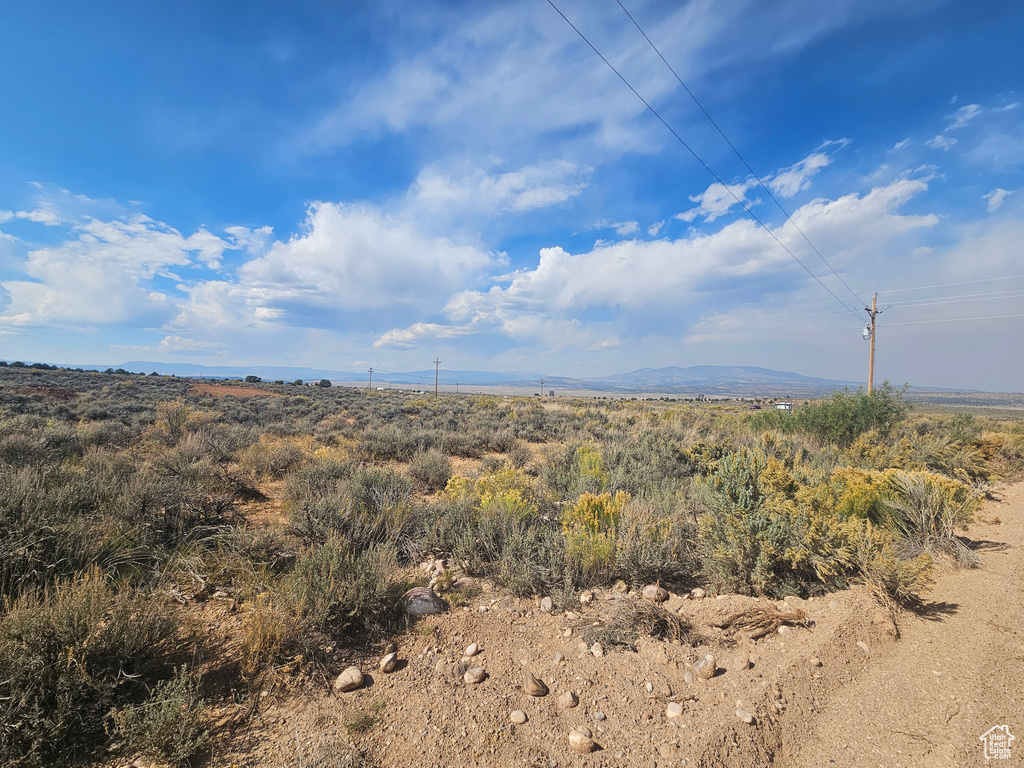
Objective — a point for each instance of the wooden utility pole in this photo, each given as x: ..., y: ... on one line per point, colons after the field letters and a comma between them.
x: 436, y: 364
x: 542, y: 388
x: 369, y: 386
x: 871, y: 356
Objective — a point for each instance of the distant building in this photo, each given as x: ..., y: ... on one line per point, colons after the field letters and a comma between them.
x: 784, y: 407
x: 551, y: 393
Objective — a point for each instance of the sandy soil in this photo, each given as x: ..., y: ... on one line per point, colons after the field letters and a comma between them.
x: 839, y: 690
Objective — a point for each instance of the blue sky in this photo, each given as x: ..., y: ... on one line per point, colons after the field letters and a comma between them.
x: 346, y: 185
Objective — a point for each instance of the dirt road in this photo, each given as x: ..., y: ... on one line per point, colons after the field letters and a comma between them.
x: 957, y: 672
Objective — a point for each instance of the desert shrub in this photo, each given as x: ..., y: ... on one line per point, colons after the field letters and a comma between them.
x: 654, y: 546
x: 271, y: 458
x: 963, y: 428
x: 589, y: 473
x: 892, y: 577
x: 589, y: 527
x: 169, y: 725
x: 68, y: 655
x: 519, y: 456
x: 317, y: 479
x: 431, y: 469
x: 504, y: 491
x: 925, y: 510
x: 391, y: 442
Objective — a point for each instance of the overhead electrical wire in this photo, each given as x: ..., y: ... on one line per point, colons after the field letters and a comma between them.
x: 950, y: 285
x: 737, y: 153
x: 697, y: 157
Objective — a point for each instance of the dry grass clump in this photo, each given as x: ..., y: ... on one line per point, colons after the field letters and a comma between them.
x: 760, y: 620
x: 634, y: 619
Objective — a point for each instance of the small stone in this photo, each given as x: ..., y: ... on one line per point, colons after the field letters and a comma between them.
x: 705, y: 668
x: 388, y: 662
x: 568, y: 700
x: 740, y: 663
x: 597, y: 650
x: 558, y: 658
x: 547, y: 604
x: 697, y: 593
x: 581, y: 740
x: 348, y: 680
x: 518, y: 717
x: 649, y: 687
x: 673, y: 710
x: 586, y: 597
x: 534, y: 687
x: 420, y: 601
x: 599, y: 716
x: 654, y: 593
x: 785, y: 630
x: 390, y: 648
x: 567, y: 632
x: 474, y: 676
x: 688, y: 677
x: 472, y: 649
x: 815, y: 661
x: 745, y: 716
x: 863, y: 646
x: 666, y: 750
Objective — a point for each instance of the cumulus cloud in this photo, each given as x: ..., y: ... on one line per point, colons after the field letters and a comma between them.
x: 789, y: 181
x: 655, y: 228
x: 995, y: 198
x: 45, y: 216
x: 717, y: 200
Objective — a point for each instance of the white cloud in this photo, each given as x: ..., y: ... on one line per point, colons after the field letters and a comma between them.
x: 717, y: 200
x: 6, y: 216
x: 655, y: 228
x: 941, y: 142
x: 533, y: 186
x: 789, y: 181
x: 45, y: 216
x: 181, y: 344
x: 995, y: 198
x: 900, y: 145
x: 963, y: 116
x: 104, y: 275
x: 622, y: 228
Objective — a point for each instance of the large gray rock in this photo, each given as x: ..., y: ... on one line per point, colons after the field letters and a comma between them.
x: 420, y: 601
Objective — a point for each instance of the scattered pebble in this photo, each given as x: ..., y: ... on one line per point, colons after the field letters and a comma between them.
x: 558, y: 658
x: 705, y: 668
x: 586, y: 597
x: 740, y: 663
x: 547, y: 604
x: 388, y: 662
x: 863, y: 646
x: 673, y: 710
x: 815, y: 661
x: 785, y: 630
x: 649, y: 687
x: 420, y: 601
x: 348, y: 680
x: 568, y: 700
x: 745, y: 716
x: 518, y: 717
x: 599, y: 716
x: 697, y: 593
x: 533, y: 686
x: 688, y: 677
x: 581, y: 739
x: 654, y: 593
x: 475, y: 675
x: 472, y: 649
x: 597, y: 650
x: 568, y: 632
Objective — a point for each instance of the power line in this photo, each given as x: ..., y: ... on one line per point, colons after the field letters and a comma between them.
x: 697, y: 157
x: 737, y: 153
x: 950, y: 285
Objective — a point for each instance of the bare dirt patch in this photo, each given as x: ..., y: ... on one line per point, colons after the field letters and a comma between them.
x: 223, y: 390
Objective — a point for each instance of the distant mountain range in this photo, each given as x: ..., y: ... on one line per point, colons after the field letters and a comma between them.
x: 698, y: 379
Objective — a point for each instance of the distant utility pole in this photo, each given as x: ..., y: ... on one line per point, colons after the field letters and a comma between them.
x: 870, y: 334
x: 436, y: 364
x: 370, y: 385
x: 542, y: 388
x: 456, y: 387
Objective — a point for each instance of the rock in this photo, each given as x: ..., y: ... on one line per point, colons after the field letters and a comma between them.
x: 420, y: 601
x: 547, y: 604
x: 599, y: 716
x: 815, y: 661
x: 697, y: 593
x: 597, y: 650
x: 688, y: 677
x: 475, y: 675
x: 518, y: 717
x: 740, y: 663
x: 705, y: 668
x: 452, y: 672
x: 745, y: 716
x: 464, y: 583
x: 348, y: 680
x: 388, y: 662
x: 390, y: 648
x: 667, y: 751
x: 621, y: 587
x: 568, y: 632
x: 673, y: 710
x: 472, y: 649
x: 654, y: 593
x: 586, y: 597
x: 863, y: 646
x: 649, y: 687
x: 534, y: 687
x: 785, y: 630
x: 558, y: 658
x: 581, y: 740
x: 568, y: 700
